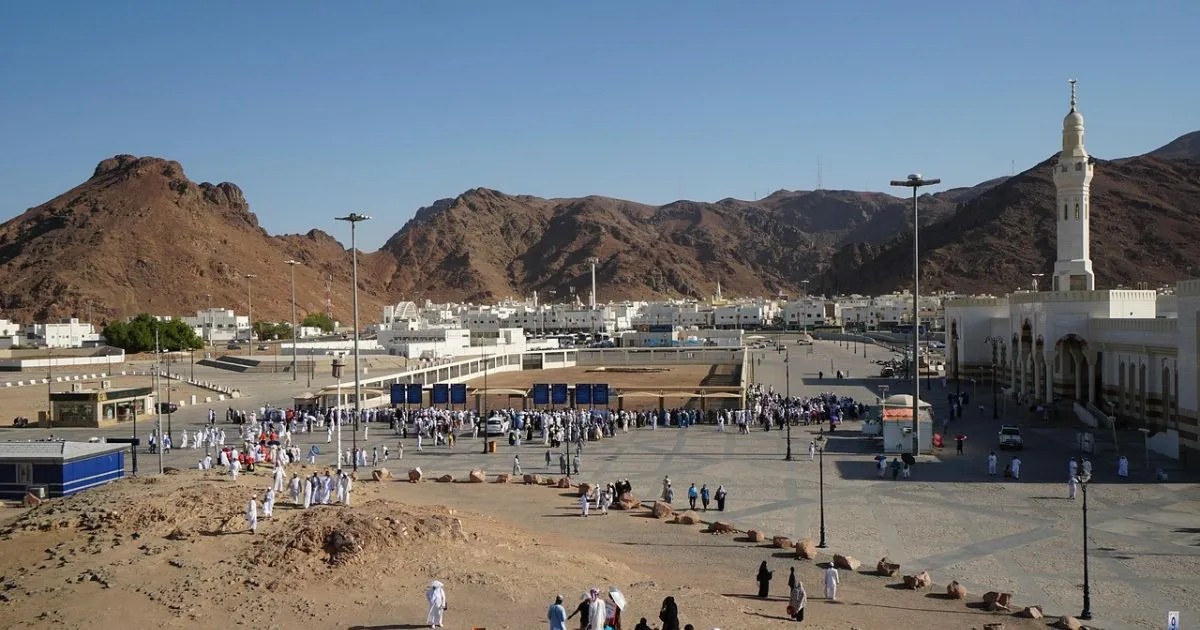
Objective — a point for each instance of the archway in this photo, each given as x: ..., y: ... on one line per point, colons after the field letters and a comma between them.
x: 1071, y: 368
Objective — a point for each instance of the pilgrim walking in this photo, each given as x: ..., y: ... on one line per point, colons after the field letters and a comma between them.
x: 764, y: 580
x: 436, y: 596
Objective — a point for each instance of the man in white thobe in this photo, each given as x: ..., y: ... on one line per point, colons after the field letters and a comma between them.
x: 831, y: 579
x: 991, y: 463
x: 348, y: 484
x: 1072, y: 484
x: 294, y: 488
x: 583, y: 504
x: 252, y: 514
x: 235, y: 466
x: 1016, y: 467
x: 1123, y: 467
x: 436, y: 596
x: 812, y: 450
x: 597, y: 612
x: 269, y: 503
x: 308, y: 491
x: 278, y: 487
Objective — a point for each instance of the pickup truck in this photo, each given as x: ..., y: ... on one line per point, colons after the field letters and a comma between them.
x: 1010, y: 437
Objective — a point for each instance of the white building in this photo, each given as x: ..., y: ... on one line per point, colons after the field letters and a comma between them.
x: 65, y: 333
x: 1112, y: 352
x: 218, y: 325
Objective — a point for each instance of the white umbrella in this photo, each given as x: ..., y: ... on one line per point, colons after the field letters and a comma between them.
x: 617, y: 596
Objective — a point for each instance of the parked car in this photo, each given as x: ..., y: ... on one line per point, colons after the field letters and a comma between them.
x: 233, y: 346
x: 166, y: 407
x: 1010, y: 437
x: 496, y: 425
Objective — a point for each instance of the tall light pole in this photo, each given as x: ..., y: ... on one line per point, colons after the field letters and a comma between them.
x: 250, y: 311
x: 49, y: 385
x: 787, y: 370
x: 1083, y: 478
x: 593, y: 261
x: 292, y: 264
x: 208, y: 320
x: 915, y: 182
x: 821, y: 467
x: 354, y: 219
x: 483, y: 413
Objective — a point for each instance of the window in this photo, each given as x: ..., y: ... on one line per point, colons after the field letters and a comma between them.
x: 1079, y: 166
x: 1076, y: 210
x: 1064, y: 212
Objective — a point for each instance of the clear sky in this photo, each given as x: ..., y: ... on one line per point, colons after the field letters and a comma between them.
x: 319, y: 108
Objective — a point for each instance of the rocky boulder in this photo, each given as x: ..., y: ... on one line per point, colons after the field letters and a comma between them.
x: 503, y: 478
x: 996, y: 600
x: 954, y: 590
x: 846, y: 562
x: 446, y: 478
x: 886, y: 567
x: 1031, y: 612
x: 477, y: 476
x: 31, y: 500
x: 782, y: 542
x: 415, y: 475
x: 995, y: 625
x: 717, y: 527
x: 662, y: 510
x: 627, y: 502
x: 564, y: 483
x: 806, y: 550
x: 585, y: 489
x: 1067, y: 622
x: 688, y: 518
x: 918, y: 581
x: 533, y: 480
x: 756, y: 536
x: 381, y: 474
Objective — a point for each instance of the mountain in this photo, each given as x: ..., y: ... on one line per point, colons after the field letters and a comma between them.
x: 139, y: 236
x: 485, y: 245
x: 1185, y: 147
x: 1144, y: 228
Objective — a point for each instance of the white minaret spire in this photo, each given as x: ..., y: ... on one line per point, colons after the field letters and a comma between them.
x: 1073, y: 181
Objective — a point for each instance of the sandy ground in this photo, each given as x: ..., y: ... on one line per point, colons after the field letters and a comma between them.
x: 172, y: 552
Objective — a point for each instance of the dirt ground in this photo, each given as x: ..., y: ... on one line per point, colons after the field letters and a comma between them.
x: 172, y: 551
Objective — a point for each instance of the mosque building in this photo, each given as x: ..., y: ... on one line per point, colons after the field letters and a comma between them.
x: 1128, y: 354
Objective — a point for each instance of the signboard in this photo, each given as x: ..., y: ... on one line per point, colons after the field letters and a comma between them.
x: 398, y: 393
x: 662, y: 328
x: 440, y: 395
x: 558, y: 393
x: 600, y: 394
x: 541, y: 394
x: 583, y: 393
x: 458, y: 394
x: 415, y: 396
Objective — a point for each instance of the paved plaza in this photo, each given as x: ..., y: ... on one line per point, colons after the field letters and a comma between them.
x: 950, y: 518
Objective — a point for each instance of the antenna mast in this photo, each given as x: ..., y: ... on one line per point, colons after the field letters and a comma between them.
x: 329, y: 296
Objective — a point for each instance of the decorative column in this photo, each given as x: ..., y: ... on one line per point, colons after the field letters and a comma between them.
x: 1093, y: 395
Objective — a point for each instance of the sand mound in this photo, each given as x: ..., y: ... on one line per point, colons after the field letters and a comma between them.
x: 363, y: 534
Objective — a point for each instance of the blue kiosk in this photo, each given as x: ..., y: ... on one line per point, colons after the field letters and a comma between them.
x: 61, y: 467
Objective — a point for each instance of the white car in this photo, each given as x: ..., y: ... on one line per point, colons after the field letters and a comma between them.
x: 497, y: 425
x: 1010, y: 437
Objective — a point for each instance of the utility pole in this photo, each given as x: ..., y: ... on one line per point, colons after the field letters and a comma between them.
x: 292, y: 264
x: 250, y: 311
x: 158, y: 441
x: 49, y: 386
x: 354, y: 219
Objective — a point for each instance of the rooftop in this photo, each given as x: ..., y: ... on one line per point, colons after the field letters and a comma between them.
x: 59, y: 450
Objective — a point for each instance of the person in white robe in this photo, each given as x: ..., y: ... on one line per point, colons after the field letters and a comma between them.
x: 294, y: 488
x: 583, y: 504
x: 831, y: 579
x: 308, y: 492
x: 605, y: 501
x: 223, y: 459
x: 183, y: 439
x: 207, y: 462
x: 269, y: 503
x: 1072, y: 485
x: 991, y: 463
x: 278, y: 487
x: 435, y: 595
x: 1015, y: 466
x: 347, y: 485
x: 597, y: 611
x: 252, y: 514
x: 812, y: 450
x: 341, y: 487
x: 1123, y: 467
x: 235, y: 466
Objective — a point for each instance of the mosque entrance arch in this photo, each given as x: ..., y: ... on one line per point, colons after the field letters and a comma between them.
x: 1071, y: 368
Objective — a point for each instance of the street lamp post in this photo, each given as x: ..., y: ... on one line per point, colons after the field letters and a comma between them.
x: 292, y: 264
x: 1083, y: 479
x: 483, y: 411
x: 250, y: 312
x: 915, y: 182
x: 49, y: 386
x: 337, y: 406
x: 821, y: 468
x: 995, y: 341
x: 787, y: 369
x: 354, y: 219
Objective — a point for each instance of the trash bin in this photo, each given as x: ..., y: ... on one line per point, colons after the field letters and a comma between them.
x: 491, y: 446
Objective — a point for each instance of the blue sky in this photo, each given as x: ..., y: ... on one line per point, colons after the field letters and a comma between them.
x: 319, y: 108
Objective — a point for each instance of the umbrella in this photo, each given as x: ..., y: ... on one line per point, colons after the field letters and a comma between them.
x: 880, y: 457
x: 908, y: 459
x: 961, y: 436
x: 617, y: 596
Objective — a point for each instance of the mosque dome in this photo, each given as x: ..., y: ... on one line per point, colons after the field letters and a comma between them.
x: 1074, y: 120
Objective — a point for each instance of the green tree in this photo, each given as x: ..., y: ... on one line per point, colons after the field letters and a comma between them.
x: 137, y: 334
x: 318, y: 320
x: 266, y: 331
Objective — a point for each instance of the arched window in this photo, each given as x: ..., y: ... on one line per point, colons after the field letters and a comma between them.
x: 1064, y: 212
x: 1076, y: 210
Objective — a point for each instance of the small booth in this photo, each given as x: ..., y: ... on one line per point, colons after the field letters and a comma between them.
x: 895, y: 413
x: 99, y: 408
x: 58, y: 468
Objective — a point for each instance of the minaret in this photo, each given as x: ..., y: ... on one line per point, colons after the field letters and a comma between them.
x: 1073, y: 180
